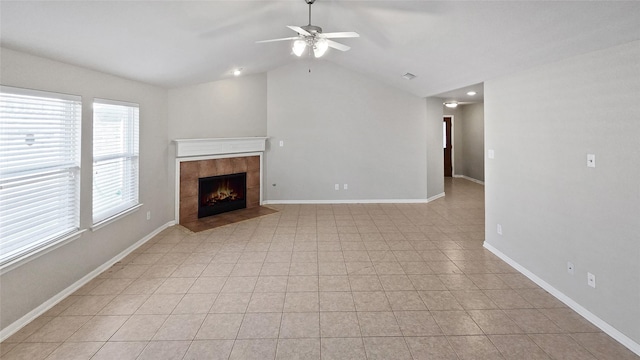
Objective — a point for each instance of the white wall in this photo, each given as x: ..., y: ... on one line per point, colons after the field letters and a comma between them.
x: 472, y: 129
x: 341, y: 127
x: 30, y: 285
x: 553, y: 208
x: 435, y: 151
x: 233, y: 107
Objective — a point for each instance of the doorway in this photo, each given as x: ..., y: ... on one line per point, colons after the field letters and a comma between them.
x: 447, y: 144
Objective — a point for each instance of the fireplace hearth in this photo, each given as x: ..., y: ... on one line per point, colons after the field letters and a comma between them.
x: 223, y: 193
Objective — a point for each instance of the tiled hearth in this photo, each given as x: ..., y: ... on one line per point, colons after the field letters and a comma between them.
x: 201, y: 158
x: 191, y: 171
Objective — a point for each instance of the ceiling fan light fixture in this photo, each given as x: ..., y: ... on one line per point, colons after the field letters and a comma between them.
x: 298, y: 47
x: 320, y: 47
x: 312, y: 36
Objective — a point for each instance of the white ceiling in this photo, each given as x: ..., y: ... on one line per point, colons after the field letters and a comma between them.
x: 447, y: 44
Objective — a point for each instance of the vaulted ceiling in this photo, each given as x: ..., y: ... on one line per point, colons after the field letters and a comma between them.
x: 447, y: 44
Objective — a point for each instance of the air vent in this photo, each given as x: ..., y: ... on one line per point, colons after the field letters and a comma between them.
x: 409, y: 76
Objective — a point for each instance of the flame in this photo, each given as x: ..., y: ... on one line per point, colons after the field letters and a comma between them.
x: 224, y: 192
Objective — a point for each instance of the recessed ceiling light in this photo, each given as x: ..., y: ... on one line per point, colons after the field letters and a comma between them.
x: 471, y: 93
x: 409, y: 76
x: 237, y: 72
x: 451, y: 104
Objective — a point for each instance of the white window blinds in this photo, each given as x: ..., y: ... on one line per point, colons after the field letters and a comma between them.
x: 115, y: 158
x: 39, y: 169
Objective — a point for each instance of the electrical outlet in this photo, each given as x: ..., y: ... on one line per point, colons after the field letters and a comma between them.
x: 148, y: 215
x: 499, y: 229
x: 591, y: 280
x: 570, y: 268
x: 337, y: 186
x: 345, y: 187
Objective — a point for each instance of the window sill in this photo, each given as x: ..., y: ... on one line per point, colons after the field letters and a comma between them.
x: 36, y: 253
x: 115, y: 217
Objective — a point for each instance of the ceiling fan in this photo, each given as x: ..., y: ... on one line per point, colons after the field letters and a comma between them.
x: 311, y: 36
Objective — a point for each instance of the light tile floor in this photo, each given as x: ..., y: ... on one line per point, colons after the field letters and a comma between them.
x: 391, y: 281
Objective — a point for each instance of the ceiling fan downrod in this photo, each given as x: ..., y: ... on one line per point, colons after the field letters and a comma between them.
x: 311, y: 29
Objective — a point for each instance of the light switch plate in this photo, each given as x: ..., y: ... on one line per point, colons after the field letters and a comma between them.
x: 591, y: 160
x: 491, y: 154
x: 591, y: 280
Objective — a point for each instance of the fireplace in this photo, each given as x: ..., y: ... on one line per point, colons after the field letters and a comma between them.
x: 203, y: 158
x: 192, y: 171
x: 223, y: 193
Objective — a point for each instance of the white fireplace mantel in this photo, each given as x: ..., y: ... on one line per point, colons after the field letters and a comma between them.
x: 218, y: 146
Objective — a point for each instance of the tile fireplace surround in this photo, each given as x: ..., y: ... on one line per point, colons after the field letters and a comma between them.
x: 198, y: 158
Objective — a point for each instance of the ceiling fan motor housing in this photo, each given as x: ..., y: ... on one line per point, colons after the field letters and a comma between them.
x: 312, y: 29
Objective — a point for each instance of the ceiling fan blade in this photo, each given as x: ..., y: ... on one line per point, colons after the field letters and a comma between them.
x: 338, y: 46
x: 336, y: 35
x: 281, y: 39
x: 299, y: 30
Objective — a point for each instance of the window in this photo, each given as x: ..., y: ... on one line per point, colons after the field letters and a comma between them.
x: 115, y: 158
x: 39, y: 170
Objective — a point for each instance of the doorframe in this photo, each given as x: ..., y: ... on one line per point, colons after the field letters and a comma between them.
x: 453, y: 143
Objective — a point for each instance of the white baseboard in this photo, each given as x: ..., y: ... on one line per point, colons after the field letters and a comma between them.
x: 435, y: 197
x: 358, y: 201
x: 44, y: 307
x: 361, y: 201
x: 469, y: 178
x: 595, y: 320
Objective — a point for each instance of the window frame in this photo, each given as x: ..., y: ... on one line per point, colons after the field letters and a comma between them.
x: 53, y: 131
x: 129, y: 155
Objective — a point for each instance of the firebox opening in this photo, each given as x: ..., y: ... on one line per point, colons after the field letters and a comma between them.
x: 218, y: 194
